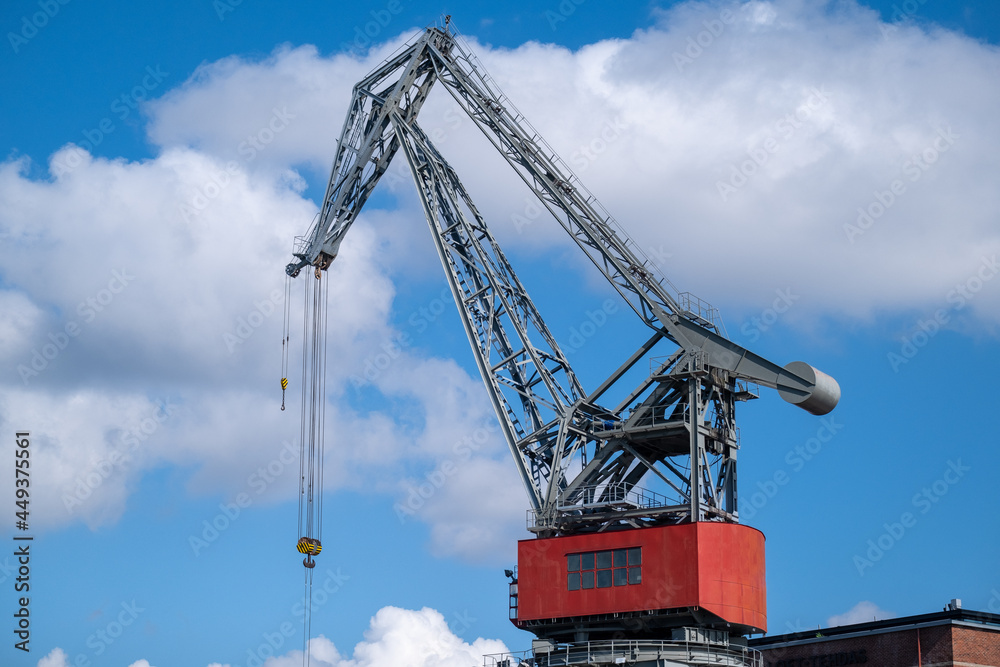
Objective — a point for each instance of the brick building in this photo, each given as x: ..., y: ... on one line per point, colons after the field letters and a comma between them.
x: 954, y: 636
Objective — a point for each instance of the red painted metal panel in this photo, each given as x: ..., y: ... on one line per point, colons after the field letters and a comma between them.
x: 716, y: 566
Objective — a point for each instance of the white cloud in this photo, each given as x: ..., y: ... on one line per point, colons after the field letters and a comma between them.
x: 395, y: 638
x: 82, y: 441
x: 56, y: 658
x: 862, y: 612
x: 466, y: 487
x: 166, y: 267
x: 482, y: 514
x: 122, y: 356
x: 399, y: 638
x: 868, y: 99
x: 301, y: 87
x: 322, y: 653
x: 147, y: 340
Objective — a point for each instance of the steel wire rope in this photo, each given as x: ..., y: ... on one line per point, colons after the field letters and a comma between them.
x: 302, y: 418
x: 285, y: 338
x: 324, y: 302
x: 313, y: 427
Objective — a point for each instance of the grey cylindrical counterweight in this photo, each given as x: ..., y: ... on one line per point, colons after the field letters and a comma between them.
x: 820, y: 394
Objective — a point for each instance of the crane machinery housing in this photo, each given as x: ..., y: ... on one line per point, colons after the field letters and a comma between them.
x: 638, y: 555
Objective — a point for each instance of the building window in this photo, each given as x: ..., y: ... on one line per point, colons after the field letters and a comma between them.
x: 604, y: 569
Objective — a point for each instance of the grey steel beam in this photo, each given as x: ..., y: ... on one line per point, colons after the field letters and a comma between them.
x: 569, y: 449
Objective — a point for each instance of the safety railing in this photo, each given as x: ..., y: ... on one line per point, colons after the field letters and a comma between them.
x: 608, y: 496
x: 690, y: 651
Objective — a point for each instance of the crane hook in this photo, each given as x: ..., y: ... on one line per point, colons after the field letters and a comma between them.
x: 310, y: 547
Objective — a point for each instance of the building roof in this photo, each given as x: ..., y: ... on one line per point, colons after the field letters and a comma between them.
x: 982, y: 619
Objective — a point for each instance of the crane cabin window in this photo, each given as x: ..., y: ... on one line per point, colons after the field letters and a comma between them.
x: 604, y: 569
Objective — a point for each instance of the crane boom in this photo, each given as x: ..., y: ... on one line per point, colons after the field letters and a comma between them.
x: 665, y: 453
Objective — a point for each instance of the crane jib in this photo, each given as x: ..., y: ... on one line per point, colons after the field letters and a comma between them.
x: 581, y: 463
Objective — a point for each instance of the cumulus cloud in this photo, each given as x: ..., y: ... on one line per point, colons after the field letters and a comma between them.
x: 748, y: 147
x: 123, y: 354
x: 56, y: 658
x: 862, y: 612
x: 301, y: 87
x: 403, y: 638
x: 395, y: 638
x: 474, y: 504
x: 767, y: 135
x: 146, y: 340
x: 465, y: 485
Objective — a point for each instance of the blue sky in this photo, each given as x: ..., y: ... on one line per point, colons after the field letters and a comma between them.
x: 134, y: 213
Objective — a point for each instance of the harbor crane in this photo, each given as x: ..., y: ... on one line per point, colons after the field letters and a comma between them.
x: 632, y: 487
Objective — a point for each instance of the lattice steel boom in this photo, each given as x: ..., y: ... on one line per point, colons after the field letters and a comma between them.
x: 666, y: 451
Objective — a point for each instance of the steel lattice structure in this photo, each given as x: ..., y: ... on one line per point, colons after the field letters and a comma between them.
x: 583, y: 463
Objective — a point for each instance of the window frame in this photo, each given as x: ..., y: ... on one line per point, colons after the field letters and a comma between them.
x: 604, y: 568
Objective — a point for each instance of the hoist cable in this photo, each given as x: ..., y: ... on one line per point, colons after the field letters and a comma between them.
x: 305, y: 409
x: 307, y: 621
x: 312, y: 423
x: 321, y: 443
x: 313, y: 428
x: 285, y: 339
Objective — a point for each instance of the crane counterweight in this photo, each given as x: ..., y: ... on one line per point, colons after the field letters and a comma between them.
x: 822, y: 396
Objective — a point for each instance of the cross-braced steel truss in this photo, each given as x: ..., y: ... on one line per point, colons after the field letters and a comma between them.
x: 665, y: 452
